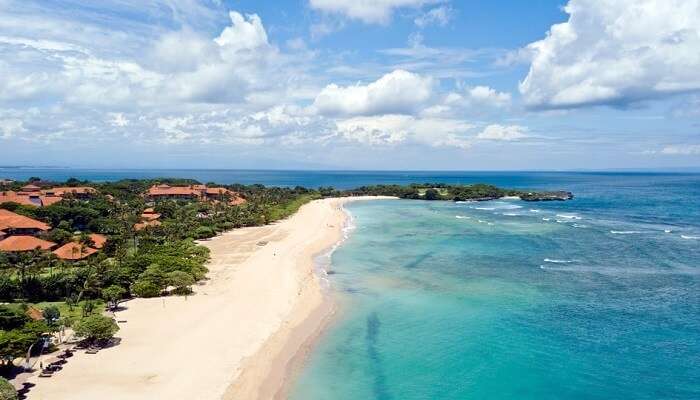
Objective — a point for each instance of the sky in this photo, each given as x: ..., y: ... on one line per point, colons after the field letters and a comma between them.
x: 350, y: 84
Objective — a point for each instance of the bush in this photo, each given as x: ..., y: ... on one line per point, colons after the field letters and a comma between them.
x: 9, y: 288
x: 432, y: 194
x: 204, y: 232
x: 7, y: 391
x: 145, y: 289
x: 51, y: 314
x: 181, y: 280
x: 113, y: 294
x: 96, y: 327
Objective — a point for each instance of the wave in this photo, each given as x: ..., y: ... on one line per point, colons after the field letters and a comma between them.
x: 555, y: 261
x: 667, y: 231
x: 690, y: 237
x: 546, y: 219
x: 511, y: 214
x: 534, y: 210
x: 579, y: 226
x: 626, y: 232
x: 485, y: 208
x: 569, y: 216
x: 462, y: 217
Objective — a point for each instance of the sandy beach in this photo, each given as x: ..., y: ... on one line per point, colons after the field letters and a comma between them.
x: 237, y: 338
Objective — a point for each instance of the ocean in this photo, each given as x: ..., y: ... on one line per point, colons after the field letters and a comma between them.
x: 594, y: 298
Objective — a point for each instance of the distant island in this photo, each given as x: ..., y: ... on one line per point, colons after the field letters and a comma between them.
x: 441, y: 191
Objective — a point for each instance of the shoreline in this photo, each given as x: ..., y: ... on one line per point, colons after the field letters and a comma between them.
x: 285, y: 353
x: 244, y: 335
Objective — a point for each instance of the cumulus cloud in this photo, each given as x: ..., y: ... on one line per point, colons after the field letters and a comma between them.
x: 615, y: 52
x: 10, y: 127
x: 368, y: 11
x: 507, y: 133
x: 488, y: 96
x: 395, y: 129
x: 398, y: 92
x: 244, y: 33
x: 435, y: 16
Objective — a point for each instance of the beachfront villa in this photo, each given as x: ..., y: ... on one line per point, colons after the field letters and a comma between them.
x: 18, y: 234
x: 35, y: 196
x: 15, y: 224
x: 74, y: 251
x: 193, y: 192
x: 148, y: 218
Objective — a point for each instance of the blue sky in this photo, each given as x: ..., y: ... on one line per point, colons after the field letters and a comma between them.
x: 382, y: 84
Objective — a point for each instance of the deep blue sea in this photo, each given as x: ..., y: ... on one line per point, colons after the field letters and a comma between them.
x: 594, y: 298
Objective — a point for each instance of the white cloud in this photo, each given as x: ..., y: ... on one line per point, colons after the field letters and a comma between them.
x: 368, y: 11
x: 244, y: 33
x: 398, y: 92
x: 395, y: 129
x: 616, y: 52
x: 435, y: 16
x: 685, y: 150
x: 10, y: 127
x: 507, y: 133
x: 118, y: 119
x: 488, y: 96
x: 477, y: 100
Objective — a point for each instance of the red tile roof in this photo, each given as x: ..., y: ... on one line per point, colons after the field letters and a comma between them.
x: 24, y: 199
x: 25, y: 243
x: 35, y: 199
x: 62, y: 191
x: 31, y: 188
x: 146, y: 224
x: 74, y: 251
x: 98, y: 240
x: 34, y: 313
x: 150, y: 216
x: 10, y: 220
x: 196, y: 191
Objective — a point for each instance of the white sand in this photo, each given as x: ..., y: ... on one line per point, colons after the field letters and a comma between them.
x: 235, y: 339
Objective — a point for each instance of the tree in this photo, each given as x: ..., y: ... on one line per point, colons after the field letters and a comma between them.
x: 432, y: 194
x: 15, y: 343
x: 181, y: 280
x: 51, y: 314
x: 145, y: 289
x: 12, y: 318
x: 113, y: 294
x: 7, y: 391
x: 96, y: 327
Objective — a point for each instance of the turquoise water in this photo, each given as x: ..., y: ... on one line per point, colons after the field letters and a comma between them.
x: 597, y: 298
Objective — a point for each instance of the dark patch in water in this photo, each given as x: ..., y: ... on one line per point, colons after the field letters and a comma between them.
x: 418, y: 261
x: 379, y: 385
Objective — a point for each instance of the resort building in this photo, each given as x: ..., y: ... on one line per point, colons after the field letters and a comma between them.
x: 193, y: 192
x: 32, y: 195
x: 74, y: 251
x: 98, y: 241
x: 15, y: 224
x: 79, y: 192
x: 148, y: 218
x: 21, y: 243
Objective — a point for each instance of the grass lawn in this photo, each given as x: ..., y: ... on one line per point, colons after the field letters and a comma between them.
x: 75, y: 314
